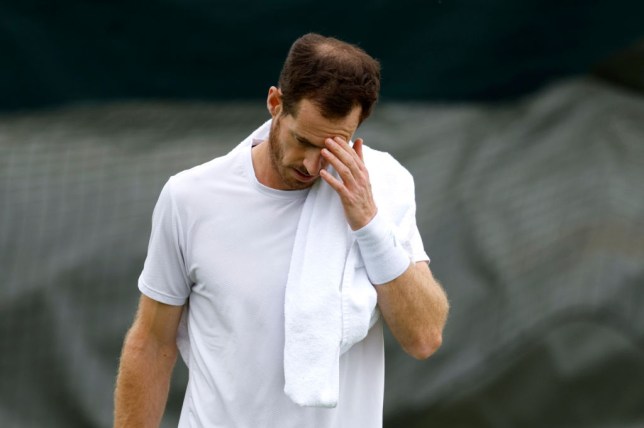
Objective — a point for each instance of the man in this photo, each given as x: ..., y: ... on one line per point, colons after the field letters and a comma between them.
x: 221, y: 247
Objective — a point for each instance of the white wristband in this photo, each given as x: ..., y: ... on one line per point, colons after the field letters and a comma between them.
x: 383, y: 257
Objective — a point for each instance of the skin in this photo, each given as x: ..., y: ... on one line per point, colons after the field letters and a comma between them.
x: 292, y: 159
x: 148, y: 357
x: 413, y: 305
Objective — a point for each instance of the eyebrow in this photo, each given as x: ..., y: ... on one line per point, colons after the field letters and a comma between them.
x: 303, y: 140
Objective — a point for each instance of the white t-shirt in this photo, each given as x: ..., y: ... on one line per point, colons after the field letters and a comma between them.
x: 221, y: 242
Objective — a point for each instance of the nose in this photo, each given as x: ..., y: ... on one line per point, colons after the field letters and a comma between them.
x: 313, y: 161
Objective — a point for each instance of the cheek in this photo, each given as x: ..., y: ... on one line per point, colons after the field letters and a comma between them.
x: 291, y: 153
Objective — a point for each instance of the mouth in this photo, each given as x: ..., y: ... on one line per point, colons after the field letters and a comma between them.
x: 304, y: 177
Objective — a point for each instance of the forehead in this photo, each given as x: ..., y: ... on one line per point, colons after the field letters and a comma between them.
x: 310, y: 124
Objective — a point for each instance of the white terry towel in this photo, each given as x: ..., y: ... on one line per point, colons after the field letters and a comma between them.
x: 329, y: 304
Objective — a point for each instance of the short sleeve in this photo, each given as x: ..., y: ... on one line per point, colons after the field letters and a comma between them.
x: 164, y: 277
x: 394, y: 191
x: 406, y: 229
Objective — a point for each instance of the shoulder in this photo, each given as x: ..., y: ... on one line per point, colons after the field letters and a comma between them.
x: 192, y: 182
x: 386, y: 172
x: 392, y: 185
x: 208, y: 169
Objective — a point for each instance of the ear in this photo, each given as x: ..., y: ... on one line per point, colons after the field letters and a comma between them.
x: 274, y: 101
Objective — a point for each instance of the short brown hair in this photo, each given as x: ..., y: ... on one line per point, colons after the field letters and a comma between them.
x: 336, y: 76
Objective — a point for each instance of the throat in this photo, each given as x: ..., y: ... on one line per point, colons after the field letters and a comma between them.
x: 263, y: 166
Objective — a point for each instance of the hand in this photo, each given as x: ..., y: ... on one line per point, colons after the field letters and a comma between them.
x: 354, y: 188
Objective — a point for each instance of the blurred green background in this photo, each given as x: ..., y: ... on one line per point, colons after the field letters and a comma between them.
x: 522, y: 123
x: 67, y: 51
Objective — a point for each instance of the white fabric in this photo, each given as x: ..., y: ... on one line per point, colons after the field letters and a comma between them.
x: 221, y: 242
x: 384, y: 259
x: 328, y: 308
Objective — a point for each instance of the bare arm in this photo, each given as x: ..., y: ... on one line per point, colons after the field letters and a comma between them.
x: 415, y: 308
x: 148, y: 357
x: 413, y: 305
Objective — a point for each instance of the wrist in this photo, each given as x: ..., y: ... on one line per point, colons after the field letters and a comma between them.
x: 382, y: 254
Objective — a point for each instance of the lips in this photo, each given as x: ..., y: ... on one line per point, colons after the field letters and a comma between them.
x: 305, y: 178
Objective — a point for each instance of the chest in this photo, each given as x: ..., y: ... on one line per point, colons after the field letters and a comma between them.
x: 240, y: 247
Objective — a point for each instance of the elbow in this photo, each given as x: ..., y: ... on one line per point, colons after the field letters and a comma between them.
x: 429, y: 339
x: 424, y: 347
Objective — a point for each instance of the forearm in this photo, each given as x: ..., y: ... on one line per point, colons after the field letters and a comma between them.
x: 412, y: 303
x: 143, y: 382
x: 415, y: 308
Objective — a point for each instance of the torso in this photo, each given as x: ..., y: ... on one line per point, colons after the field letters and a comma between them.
x: 239, y: 237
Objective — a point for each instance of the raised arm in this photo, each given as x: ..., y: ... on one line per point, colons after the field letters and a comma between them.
x: 148, y: 357
x: 413, y: 303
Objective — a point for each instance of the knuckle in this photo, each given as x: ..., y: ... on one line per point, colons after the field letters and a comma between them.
x: 343, y: 169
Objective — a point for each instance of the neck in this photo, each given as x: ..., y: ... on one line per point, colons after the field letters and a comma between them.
x: 262, y: 163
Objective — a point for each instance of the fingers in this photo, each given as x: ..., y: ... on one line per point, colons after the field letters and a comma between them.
x: 353, y: 184
x: 348, y: 163
x: 336, y: 184
x: 346, y: 160
x: 346, y: 180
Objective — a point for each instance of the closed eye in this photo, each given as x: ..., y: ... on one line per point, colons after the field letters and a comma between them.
x: 303, y: 141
